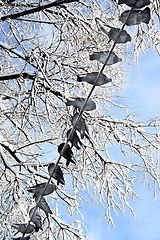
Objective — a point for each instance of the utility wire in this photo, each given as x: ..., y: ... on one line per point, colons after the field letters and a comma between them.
x: 80, y: 114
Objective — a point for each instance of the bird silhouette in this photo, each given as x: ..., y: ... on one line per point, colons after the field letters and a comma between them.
x: 22, y: 238
x: 80, y: 125
x: 42, y: 204
x: 138, y: 4
x: 91, y: 77
x: 57, y: 174
x: 124, y: 37
x: 24, y: 227
x: 136, y: 17
x: 67, y: 153
x: 74, y: 139
x: 79, y: 102
x: 39, y: 188
x: 102, y: 56
x: 36, y: 219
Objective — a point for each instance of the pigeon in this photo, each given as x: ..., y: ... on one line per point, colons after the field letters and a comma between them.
x: 67, y: 153
x: 22, y: 227
x: 74, y: 139
x: 136, y: 17
x: 79, y: 102
x: 42, y: 204
x: 22, y: 238
x: 57, y: 174
x: 139, y: 3
x: 91, y: 77
x: 39, y: 188
x: 36, y: 219
x: 102, y: 56
x: 80, y: 125
x: 124, y: 37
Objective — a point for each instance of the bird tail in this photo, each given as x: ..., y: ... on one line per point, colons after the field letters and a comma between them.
x: 79, y: 79
x: 15, y: 226
x: 70, y: 160
x: 109, y: 80
x: 73, y: 161
x: 29, y: 190
x: 76, y: 146
x: 147, y: 15
x: 37, y: 228
x: 69, y: 103
x: 36, y: 194
x: 104, y: 30
x: 85, y: 134
x: 92, y: 57
x: 121, y: 2
x: 129, y: 38
x: 61, y: 181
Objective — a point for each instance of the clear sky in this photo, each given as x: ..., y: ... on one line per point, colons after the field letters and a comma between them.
x: 143, y: 93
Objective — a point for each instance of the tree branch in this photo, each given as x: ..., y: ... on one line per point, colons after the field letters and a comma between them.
x: 5, y: 162
x: 11, y: 152
x: 11, y: 76
x: 37, y: 9
x: 17, y: 53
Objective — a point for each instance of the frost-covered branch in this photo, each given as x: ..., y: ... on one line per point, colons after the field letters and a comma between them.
x: 42, y: 57
x: 41, y: 7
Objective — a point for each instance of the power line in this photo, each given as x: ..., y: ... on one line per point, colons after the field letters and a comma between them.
x: 80, y: 114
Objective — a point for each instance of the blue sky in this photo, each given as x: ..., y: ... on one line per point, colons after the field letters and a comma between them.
x: 143, y: 94
x: 143, y: 88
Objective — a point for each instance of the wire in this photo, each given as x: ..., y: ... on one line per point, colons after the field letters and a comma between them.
x: 80, y: 114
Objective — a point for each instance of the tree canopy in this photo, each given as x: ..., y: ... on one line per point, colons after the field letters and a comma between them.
x: 47, y: 50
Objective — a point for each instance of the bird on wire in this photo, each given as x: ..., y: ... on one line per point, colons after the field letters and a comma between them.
x: 74, y: 138
x: 57, y: 174
x: 138, y: 4
x: 136, y: 17
x: 80, y: 125
x: 36, y: 219
x: 79, y: 102
x: 22, y: 227
x: 42, y: 204
x: 39, y: 188
x: 124, y: 37
x: 91, y: 77
x: 102, y: 57
x: 67, y: 153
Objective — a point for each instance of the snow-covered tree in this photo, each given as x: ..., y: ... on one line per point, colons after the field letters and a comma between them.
x: 44, y: 46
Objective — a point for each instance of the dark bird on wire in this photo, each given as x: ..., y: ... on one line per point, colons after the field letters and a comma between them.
x: 36, y: 219
x: 67, y: 153
x: 22, y: 227
x: 39, y: 188
x: 74, y: 139
x: 136, y: 17
x: 42, y: 204
x: 80, y: 126
x: 139, y: 3
x: 79, y: 102
x: 91, y: 77
x: 20, y: 238
x: 102, y: 56
x: 57, y: 174
x: 124, y: 37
